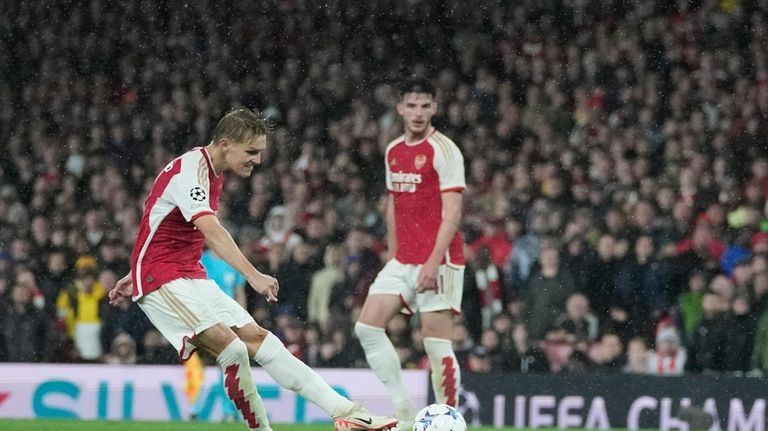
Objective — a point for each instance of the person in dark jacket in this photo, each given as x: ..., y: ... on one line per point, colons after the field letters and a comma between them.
x: 740, y: 325
x: 23, y: 328
x: 705, y: 352
x: 546, y: 293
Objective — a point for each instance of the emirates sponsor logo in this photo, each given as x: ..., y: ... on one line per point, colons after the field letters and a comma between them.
x: 406, y: 177
x: 405, y: 182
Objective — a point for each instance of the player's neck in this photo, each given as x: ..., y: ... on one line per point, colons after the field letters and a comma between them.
x: 415, y: 138
x: 217, y: 158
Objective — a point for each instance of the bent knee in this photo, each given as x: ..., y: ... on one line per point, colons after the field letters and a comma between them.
x: 237, y: 349
x: 253, y: 336
x: 364, y: 330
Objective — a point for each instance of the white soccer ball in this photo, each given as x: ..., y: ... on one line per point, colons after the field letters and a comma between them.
x: 439, y: 417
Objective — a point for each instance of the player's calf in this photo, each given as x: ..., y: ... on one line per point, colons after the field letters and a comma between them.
x: 446, y: 374
x: 239, y: 386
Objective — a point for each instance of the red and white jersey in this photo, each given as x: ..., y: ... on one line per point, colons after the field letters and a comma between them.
x: 417, y: 174
x: 169, y: 245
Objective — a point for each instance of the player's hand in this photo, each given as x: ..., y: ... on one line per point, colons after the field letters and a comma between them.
x: 265, y: 285
x: 122, y: 290
x: 427, y: 279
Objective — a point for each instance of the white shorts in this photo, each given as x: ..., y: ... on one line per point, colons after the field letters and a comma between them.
x: 400, y: 279
x: 183, y: 308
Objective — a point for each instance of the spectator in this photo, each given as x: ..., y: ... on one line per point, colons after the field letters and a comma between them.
x: 523, y: 357
x: 546, y: 293
x: 608, y: 354
x: 490, y: 285
x: 558, y: 349
x: 642, y: 282
x: 479, y: 361
x: 637, y: 357
x: 739, y: 326
x: 297, y: 273
x: 490, y: 342
x: 599, y: 285
x: 311, y: 349
x: 78, y: 305
x: 123, y: 351
x: 322, y: 284
x: 526, y: 250
x: 54, y: 279
x: 707, y: 345
x: 578, y: 322
x: 670, y: 355
x: 23, y: 327
x: 655, y: 148
x: 690, y: 302
x: 157, y: 350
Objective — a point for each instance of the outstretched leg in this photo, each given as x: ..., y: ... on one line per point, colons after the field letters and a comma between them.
x: 291, y: 373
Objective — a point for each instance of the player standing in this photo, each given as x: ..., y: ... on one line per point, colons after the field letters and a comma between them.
x: 425, y: 180
x: 170, y: 285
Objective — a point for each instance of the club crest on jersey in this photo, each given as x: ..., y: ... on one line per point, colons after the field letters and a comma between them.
x: 197, y: 194
x: 419, y: 161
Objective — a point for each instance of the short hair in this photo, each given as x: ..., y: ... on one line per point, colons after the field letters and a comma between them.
x: 417, y: 84
x: 240, y: 124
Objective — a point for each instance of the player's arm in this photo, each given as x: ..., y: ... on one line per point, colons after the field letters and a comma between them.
x: 224, y: 246
x: 452, y: 202
x: 391, y: 226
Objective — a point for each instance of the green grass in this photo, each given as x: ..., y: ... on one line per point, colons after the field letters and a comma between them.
x: 78, y: 425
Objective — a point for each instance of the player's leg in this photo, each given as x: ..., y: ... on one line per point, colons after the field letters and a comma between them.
x: 183, y: 308
x: 233, y: 358
x: 291, y: 373
x: 437, y: 312
x: 288, y: 371
x: 384, y: 301
x: 436, y: 326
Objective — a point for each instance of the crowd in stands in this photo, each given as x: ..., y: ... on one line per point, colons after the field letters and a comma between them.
x: 616, y: 161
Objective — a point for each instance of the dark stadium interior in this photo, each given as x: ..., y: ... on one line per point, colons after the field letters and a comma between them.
x: 616, y: 158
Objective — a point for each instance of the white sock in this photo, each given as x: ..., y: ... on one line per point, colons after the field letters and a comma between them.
x: 291, y: 373
x: 446, y: 374
x: 239, y: 386
x: 383, y: 360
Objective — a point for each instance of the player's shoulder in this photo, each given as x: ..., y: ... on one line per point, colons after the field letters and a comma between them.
x: 194, y: 157
x: 447, y: 147
x: 191, y: 158
x: 195, y: 162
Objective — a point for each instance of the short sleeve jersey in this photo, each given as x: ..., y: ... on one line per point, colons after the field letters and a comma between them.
x: 416, y: 175
x: 168, y: 245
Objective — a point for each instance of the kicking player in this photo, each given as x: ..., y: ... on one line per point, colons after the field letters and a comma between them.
x: 425, y: 180
x: 170, y: 285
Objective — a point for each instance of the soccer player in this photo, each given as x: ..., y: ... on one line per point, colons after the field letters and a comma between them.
x: 425, y: 180
x: 170, y: 285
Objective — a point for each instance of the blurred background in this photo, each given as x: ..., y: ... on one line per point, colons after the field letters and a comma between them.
x: 616, y: 157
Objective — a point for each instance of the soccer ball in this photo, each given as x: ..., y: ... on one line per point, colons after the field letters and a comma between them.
x: 439, y: 417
